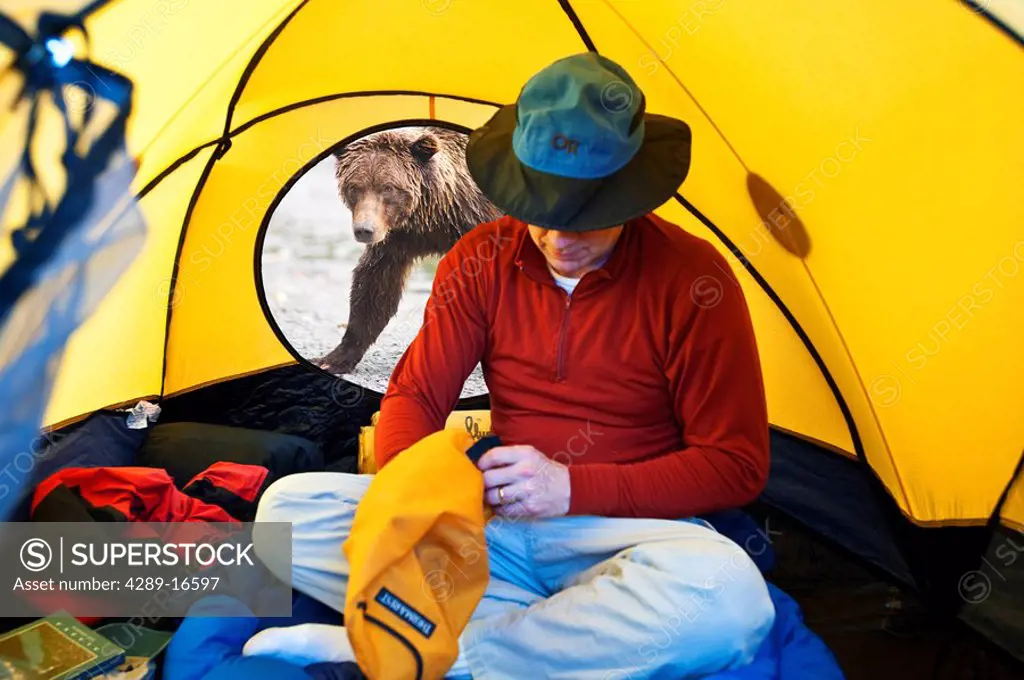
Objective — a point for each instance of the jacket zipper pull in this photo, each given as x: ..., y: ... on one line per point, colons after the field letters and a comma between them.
x: 561, y: 337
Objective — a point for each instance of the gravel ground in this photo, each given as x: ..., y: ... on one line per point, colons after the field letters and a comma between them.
x: 308, y: 256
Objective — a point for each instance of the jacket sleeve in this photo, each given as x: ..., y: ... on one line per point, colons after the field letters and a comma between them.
x: 428, y: 379
x: 715, y: 382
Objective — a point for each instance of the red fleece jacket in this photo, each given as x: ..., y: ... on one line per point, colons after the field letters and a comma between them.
x: 645, y: 382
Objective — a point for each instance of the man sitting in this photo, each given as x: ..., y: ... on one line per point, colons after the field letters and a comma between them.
x: 625, y: 385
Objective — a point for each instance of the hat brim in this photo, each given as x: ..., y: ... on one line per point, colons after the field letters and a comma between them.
x: 650, y: 178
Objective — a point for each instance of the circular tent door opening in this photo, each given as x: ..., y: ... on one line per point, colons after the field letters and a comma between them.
x: 350, y: 251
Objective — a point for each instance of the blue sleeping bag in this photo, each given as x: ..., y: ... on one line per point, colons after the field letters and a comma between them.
x: 210, y: 647
x: 209, y: 642
x: 791, y: 651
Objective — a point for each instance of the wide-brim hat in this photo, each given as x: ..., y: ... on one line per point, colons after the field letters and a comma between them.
x: 578, y: 151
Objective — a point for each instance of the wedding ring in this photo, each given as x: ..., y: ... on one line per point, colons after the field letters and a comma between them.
x: 501, y: 495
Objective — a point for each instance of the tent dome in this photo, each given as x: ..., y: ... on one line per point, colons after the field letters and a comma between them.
x: 858, y: 162
x: 866, y: 197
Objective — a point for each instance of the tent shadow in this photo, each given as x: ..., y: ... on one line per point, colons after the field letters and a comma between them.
x: 779, y: 216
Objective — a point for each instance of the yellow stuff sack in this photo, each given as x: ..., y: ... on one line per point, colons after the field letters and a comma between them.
x: 476, y: 423
x: 418, y: 560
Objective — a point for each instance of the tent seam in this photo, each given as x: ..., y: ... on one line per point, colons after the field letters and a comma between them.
x: 295, y: 106
x: 194, y: 94
x: 223, y: 144
x: 177, y: 263
x: 863, y: 387
x: 686, y: 90
x: 254, y: 61
x: 981, y: 8
x: 794, y: 324
x: 577, y: 24
x: 763, y: 283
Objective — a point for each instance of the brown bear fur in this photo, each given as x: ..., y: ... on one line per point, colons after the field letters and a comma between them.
x: 411, y: 196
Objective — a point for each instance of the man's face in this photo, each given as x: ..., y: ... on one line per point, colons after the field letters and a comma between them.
x: 573, y: 254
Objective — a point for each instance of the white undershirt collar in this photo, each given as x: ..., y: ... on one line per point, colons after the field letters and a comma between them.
x: 564, y: 282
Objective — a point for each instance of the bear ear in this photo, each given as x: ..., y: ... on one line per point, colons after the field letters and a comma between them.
x: 424, y: 148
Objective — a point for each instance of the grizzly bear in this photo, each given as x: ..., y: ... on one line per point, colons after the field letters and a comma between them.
x: 411, y: 196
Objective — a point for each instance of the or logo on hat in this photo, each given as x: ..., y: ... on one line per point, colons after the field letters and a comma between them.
x: 562, y: 143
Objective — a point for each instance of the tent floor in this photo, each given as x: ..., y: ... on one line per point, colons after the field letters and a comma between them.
x: 875, y: 631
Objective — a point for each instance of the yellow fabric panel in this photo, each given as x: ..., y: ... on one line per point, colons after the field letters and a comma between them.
x: 436, y: 46
x: 198, y: 123
x: 6, y: 59
x: 117, y: 354
x: 170, y: 49
x: 6, y: 251
x: 29, y: 196
x: 218, y: 329
x: 46, y: 150
x: 799, y: 399
x: 887, y: 195
x: 717, y: 185
x: 467, y: 114
x: 895, y: 291
x: 12, y: 140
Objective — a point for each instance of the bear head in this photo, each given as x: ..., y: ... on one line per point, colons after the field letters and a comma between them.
x: 381, y: 179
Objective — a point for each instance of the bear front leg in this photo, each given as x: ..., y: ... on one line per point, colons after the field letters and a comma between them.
x: 377, y: 284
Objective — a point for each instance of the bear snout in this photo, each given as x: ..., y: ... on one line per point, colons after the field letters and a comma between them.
x: 364, y: 232
x: 369, y: 219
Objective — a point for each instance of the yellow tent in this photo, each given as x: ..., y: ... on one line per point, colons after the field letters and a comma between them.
x: 859, y: 162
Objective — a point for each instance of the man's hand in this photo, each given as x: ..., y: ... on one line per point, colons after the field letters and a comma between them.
x: 531, y: 484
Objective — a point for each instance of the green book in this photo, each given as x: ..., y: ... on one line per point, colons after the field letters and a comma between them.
x: 141, y: 647
x: 57, y: 647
